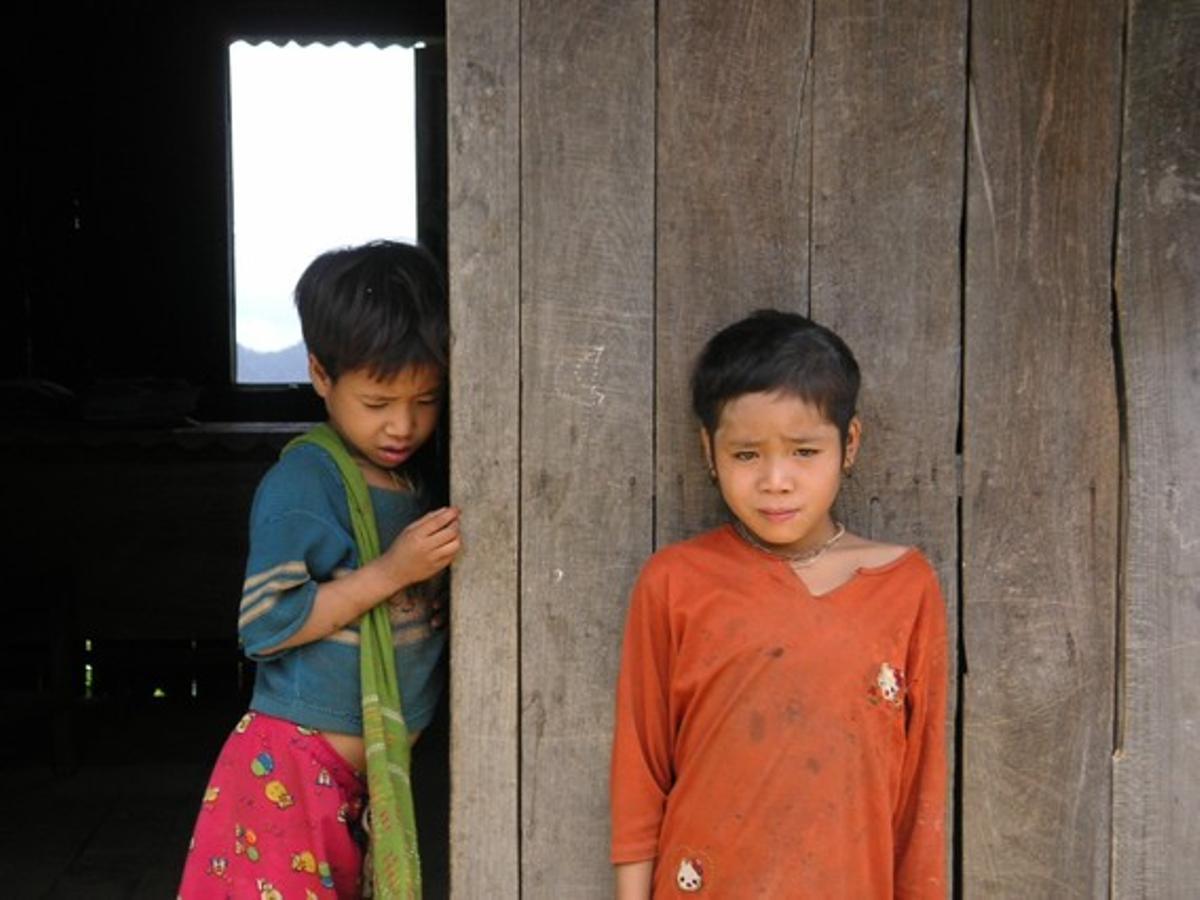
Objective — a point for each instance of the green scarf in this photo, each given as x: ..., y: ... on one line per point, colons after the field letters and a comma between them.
x: 396, y: 867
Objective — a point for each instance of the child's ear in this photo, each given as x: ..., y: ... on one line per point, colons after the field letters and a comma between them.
x: 321, y: 381
x: 707, y: 449
x: 853, y: 442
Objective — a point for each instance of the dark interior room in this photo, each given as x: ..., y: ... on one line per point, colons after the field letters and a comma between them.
x: 131, y: 452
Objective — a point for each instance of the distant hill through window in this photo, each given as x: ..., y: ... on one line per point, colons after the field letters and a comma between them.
x: 287, y: 366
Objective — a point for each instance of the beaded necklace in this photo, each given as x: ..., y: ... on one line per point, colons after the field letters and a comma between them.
x: 800, y: 560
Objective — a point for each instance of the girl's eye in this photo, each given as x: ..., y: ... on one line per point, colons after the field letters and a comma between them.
x: 374, y: 405
x: 427, y: 401
x: 744, y: 455
x: 805, y: 452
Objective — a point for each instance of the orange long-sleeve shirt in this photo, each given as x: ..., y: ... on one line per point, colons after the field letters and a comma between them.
x: 770, y: 743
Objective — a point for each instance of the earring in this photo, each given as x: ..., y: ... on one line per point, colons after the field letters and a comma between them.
x: 848, y: 469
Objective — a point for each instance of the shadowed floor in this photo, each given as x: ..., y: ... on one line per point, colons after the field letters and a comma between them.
x: 117, y: 823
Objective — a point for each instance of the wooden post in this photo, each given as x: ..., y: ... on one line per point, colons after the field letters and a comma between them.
x: 587, y: 291
x: 484, y: 213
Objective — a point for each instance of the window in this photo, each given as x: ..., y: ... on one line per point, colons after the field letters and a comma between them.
x: 323, y: 153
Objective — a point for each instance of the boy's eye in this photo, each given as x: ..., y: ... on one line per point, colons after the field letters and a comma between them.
x: 428, y: 401
x: 805, y: 452
x: 372, y: 405
x: 744, y: 455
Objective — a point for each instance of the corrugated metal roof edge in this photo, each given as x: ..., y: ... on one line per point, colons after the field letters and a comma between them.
x: 380, y: 41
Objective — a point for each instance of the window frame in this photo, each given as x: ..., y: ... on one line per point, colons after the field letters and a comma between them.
x: 227, y: 400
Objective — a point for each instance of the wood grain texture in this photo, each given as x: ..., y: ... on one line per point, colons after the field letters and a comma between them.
x: 484, y: 253
x: 888, y: 122
x: 733, y: 186
x: 1156, y: 816
x: 587, y: 184
x: 1040, y: 448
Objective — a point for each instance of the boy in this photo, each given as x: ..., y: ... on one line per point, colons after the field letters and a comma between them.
x: 281, y: 811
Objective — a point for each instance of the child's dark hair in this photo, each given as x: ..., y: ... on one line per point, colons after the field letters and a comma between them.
x: 771, y: 351
x: 379, y: 307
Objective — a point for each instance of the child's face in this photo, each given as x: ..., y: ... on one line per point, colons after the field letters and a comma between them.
x: 779, y: 463
x: 382, y: 420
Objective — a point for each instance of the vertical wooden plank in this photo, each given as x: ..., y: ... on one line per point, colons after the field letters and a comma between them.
x: 885, y: 262
x: 1156, y: 826
x: 587, y: 187
x: 733, y: 177
x: 1040, y: 448
x: 484, y: 226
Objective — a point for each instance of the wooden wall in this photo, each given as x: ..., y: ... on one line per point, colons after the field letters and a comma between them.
x: 997, y: 205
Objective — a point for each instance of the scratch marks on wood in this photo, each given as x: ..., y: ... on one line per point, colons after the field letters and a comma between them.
x: 985, y: 176
x: 578, y: 375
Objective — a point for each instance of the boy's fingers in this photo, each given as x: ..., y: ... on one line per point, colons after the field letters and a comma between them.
x: 435, y: 521
x: 443, y: 535
x: 447, y: 550
x: 428, y: 518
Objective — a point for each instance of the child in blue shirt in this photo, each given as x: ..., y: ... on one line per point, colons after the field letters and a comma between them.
x: 281, y: 810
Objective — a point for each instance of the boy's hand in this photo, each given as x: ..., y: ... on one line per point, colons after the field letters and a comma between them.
x: 419, y: 552
x: 426, y: 546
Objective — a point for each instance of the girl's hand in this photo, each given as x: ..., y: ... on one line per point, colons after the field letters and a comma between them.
x: 425, y: 547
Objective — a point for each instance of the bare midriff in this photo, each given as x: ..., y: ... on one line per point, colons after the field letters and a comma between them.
x: 351, y: 748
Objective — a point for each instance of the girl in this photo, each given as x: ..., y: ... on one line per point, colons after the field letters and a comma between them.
x: 281, y: 815
x: 781, y: 700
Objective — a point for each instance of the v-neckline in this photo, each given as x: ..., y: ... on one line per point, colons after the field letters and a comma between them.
x: 855, y: 576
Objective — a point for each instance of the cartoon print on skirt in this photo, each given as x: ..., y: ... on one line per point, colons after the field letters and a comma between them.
x: 280, y: 818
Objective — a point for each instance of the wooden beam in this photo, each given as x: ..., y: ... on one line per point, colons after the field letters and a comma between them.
x: 587, y: 292
x: 484, y: 229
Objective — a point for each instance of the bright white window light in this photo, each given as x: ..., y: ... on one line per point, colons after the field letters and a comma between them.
x: 323, y: 155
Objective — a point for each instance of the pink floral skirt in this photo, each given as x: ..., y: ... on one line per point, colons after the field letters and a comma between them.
x: 279, y: 818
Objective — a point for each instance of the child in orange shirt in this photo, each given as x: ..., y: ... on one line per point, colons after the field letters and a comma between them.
x: 782, y: 697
